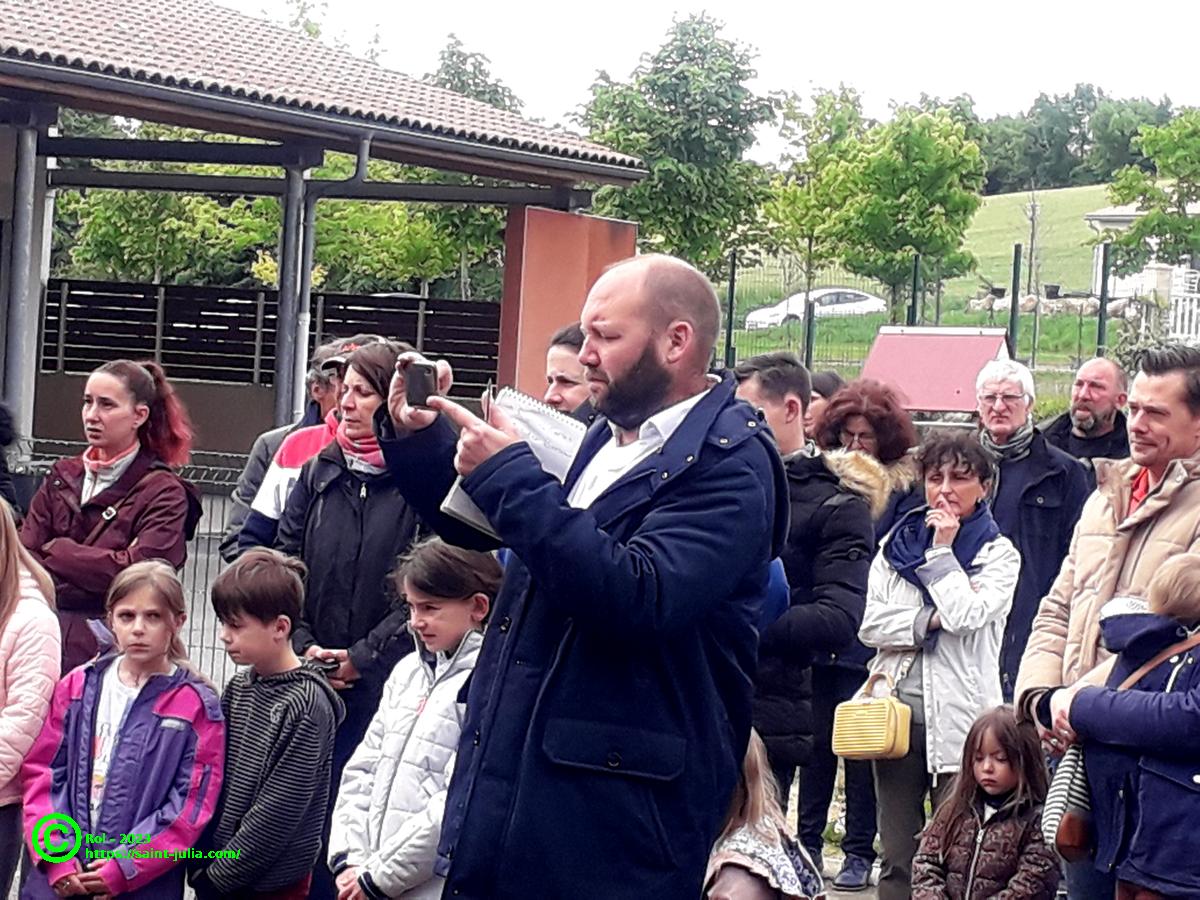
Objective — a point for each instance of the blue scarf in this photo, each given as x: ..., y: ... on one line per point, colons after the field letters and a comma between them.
x: 905, y: 547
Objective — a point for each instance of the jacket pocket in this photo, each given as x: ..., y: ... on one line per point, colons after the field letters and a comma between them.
x: 615, y: 749
x: 1168, y: 793
x: 590, y: 753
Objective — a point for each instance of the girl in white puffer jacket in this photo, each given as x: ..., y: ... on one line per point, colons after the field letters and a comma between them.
x: 388, y: 814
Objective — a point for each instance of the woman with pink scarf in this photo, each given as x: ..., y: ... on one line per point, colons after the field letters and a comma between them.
x: 345, y: 519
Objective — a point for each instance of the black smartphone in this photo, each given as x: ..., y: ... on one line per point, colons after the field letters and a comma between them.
x: 420, y: 383
x: 328, y: 666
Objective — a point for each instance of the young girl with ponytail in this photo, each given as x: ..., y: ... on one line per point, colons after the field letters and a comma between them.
x: 118, y: 503
x: 133, y: 750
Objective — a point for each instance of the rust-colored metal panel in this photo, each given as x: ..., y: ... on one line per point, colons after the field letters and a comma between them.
x: 552, y: 259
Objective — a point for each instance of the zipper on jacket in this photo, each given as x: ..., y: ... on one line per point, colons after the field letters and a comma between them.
x: 974, y: 860
x: 362, y: 491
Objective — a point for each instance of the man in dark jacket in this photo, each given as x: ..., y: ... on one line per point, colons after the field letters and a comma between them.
x: 1037, y: 496
x: 609, y: 711
x: 828, y: 554
x: 1094, y: 427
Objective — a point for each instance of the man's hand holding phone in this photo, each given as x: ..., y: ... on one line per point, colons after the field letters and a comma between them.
x: 417, y: 380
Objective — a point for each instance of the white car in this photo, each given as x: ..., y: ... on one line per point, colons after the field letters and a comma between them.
x: 826, y: 302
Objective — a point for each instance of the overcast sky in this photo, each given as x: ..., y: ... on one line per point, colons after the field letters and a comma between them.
x: 1002, y: 54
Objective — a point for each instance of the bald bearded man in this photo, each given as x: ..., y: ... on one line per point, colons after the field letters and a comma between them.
x: 609, y: 710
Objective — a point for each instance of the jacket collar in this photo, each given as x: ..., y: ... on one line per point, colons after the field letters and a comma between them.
x: 331, y: 465
x: 71, y: 472
x: 718, y: 420
x: 461, y: 659
x: 1114, y: 480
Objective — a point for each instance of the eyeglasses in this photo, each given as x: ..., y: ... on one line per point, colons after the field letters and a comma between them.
x: 1006, y: 399
x: 862, y: 438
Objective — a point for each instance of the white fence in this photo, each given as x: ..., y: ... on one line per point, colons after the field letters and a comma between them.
x: 1183, y: 317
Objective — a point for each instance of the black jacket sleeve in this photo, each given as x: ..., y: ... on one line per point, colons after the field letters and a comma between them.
x: 290, y: 540
x: 243, y: 495
x: 828, y: 618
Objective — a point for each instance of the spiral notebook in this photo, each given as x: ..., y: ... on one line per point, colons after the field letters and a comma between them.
x: 554, y: 438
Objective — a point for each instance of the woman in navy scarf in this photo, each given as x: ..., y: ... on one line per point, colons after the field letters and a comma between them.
x: 938, y: 597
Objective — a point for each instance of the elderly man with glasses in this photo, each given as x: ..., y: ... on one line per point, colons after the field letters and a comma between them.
x: 1036, y: 497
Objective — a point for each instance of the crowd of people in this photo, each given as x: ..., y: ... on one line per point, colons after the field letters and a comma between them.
x: 622, y: 693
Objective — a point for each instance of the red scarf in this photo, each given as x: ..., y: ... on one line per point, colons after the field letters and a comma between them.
x: 365, y: 449
x: 94, y: 465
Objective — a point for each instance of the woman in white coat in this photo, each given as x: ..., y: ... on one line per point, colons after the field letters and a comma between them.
x: 388, y: 815
x: 938, y: 596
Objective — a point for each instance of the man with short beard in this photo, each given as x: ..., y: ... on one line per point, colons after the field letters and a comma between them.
x: 1094, y: 427
x: 610, y: 708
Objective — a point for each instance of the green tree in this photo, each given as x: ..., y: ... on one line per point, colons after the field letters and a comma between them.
x: 689, y: 114
x: 1007, y: 146
x: 1115, y: 126
x: 909, y: 186
x: 801, y: 208
x: 1163, y: 229
x: 476, y: 231
x: 470, y: 74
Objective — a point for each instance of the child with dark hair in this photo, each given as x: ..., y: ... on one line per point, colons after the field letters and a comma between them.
x: 281, y: 716
x: 388, y: 814
x: 985, y: 839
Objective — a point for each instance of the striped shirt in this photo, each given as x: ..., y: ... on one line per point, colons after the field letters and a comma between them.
x: 277, y: 778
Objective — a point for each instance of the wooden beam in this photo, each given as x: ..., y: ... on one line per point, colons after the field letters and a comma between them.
x: 554, y: 198
x: 306, y: 156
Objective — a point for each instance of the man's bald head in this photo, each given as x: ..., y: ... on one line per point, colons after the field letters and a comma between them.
x: 672, y: 290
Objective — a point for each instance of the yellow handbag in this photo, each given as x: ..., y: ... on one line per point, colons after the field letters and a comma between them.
x: 867, y: 727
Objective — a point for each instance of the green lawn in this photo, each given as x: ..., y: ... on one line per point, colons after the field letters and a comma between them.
x: 1064, y: 256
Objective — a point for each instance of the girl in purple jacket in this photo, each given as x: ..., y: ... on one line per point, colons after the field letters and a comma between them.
x: 132, y: 752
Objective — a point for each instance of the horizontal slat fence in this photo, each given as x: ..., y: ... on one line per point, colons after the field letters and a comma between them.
x: 228, y: 334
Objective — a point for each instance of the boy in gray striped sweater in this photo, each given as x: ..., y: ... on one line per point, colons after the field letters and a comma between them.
x: 281, y: 714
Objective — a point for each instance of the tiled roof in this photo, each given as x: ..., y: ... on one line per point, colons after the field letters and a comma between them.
x: 200, y: 46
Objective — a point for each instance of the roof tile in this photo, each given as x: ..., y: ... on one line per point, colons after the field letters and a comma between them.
x: 191, y: 44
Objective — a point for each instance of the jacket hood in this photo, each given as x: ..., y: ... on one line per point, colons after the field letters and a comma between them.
x: 868, y: 477
x: 1139, y: 634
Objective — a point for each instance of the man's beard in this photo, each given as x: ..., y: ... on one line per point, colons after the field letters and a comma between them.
x: 638, y: 394
x: 1088, y: 422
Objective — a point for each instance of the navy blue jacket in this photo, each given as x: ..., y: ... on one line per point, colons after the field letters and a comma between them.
x: 609, y: 710
x: 1050, y: 504
x: 1142, y: 751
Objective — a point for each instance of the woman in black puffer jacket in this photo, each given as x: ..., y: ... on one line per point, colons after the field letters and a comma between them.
x: 346, y: 520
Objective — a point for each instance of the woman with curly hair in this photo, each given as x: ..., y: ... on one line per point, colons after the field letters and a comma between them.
x: 864, y: 424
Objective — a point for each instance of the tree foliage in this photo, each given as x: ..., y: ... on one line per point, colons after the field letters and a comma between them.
x: 1083, y: 137
x: 908, y: 186
x: 689, y: 114
x: 800, y: 210
x: 1163, y: 229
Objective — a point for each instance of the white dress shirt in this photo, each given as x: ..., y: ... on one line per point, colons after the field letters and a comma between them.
x: 614, y: 460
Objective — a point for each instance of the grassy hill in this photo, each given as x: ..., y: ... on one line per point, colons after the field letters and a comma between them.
x: 1064, y: 255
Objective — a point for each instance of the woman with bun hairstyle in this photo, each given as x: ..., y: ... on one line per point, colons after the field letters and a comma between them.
x: 120, y: 502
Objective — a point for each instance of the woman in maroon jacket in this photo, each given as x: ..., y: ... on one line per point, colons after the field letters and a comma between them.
x: 118, y: 503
